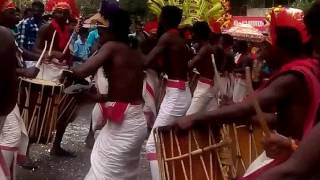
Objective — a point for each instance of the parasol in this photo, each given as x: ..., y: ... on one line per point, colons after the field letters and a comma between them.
x: 245, y: 32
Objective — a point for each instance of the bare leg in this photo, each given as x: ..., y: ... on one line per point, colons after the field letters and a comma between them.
x: 56, y: 147
x: 29, y: 164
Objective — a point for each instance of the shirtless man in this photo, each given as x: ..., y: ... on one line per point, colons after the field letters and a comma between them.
x: 296, y: 114
x: 61, y: 12
x: 204, y: 95
x: 116, y: 152
x: 13, y: 135
x: 172, y: 50
x: 309, y: 149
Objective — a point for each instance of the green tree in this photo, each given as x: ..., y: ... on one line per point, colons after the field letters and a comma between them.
x: 302, y: 4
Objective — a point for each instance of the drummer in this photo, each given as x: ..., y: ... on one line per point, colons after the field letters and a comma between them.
x: 61, y: 11
x: 203, y: 96
x: 296, y: 114
x: 304, y: 163
x: 13, y: 136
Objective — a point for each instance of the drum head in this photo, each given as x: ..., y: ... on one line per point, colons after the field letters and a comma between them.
x: 41, y: 82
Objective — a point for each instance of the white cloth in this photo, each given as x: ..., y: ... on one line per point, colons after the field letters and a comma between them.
x: 175, y: 104
x: 116, y: 152
x: 51, y: 72
x: 240, y: 90
x: 204, y: 97
x: 260, y: 162
x: 13, y: 144
x: 101, y: 83
x: 150, y: 91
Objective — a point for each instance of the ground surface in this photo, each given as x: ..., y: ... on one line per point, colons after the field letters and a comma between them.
x: 54, y: 168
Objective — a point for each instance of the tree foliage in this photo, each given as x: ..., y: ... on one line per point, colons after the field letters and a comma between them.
x: 134, y: 7
x: 302, y: 4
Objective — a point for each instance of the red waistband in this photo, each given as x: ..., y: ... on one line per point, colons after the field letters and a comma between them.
x: 177, y: 84
x: 206, y: 80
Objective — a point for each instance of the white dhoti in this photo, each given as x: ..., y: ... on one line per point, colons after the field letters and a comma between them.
x: 204, y: 97
x: 150, y: 90
x: 175, y: 104
x: 240, y: 90
x: 13, y: 144
x: 101, y: 83
x: 116, y: 152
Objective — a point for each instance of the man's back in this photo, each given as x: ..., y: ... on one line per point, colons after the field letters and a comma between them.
x: 175, y: 56
x: 125, y: 73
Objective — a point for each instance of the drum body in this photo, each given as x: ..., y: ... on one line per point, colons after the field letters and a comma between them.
x: 246, y: 146
x: 191, y: 155
x: 42, y: 103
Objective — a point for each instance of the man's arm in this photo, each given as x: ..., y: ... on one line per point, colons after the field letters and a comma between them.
x: 8, y: 77
x: 94, y: 62
x: 267, y: 98
x: 157, y: 50
x: 201, y: 55
x: 303, y: 164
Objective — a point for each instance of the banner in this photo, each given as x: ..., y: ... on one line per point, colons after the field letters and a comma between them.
x: 257, y: 22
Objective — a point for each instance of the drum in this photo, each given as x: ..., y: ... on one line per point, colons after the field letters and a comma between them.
x: 196, y: 154
x: 246, y: 146
x: 42, y: 103
x: 51, y: 72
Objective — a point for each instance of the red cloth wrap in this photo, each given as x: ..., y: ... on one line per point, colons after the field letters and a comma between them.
x: 62, y: 35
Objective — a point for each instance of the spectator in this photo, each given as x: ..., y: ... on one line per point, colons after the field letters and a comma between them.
x: 80, y: 48
x: 28, y: 13
x: 28, y: 29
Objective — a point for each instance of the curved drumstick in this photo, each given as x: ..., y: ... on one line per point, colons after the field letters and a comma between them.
x: 261, y: 119
x: 42, y: 54
x: 52, y: 41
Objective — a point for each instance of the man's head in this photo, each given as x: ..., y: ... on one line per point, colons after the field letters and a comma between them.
x: 242, y: 47
x: 226, y: 41
x: 288, y: 46
x: 201, y: 31
x: 61, y: 15
x: 27, y: 13
x: 83, y: 33
x: 170, y: 18
x: 37, y: 9
x: 119, y: 26
x: 8, y: 17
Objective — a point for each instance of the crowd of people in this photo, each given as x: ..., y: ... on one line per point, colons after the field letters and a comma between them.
x: 163, y: 76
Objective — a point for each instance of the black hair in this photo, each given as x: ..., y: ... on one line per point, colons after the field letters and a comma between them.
x: 26, y: 11
x: 172, y: 16
x: 227, y: 40
x: 242, y: 46
x: 18, y: 10
x: 83, y: 31
x: 289, y: 39
x: 38, y: 3
x: 202, y: 30
x: 311, y: 19
x: 214, y: 38
x: 120, y: 23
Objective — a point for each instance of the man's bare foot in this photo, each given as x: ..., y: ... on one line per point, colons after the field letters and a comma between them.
x: 90, y: 140
x: 58, y: 151
x: 29, y: 165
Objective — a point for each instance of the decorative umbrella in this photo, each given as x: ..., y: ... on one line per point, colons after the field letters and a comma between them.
x: 245, y: 32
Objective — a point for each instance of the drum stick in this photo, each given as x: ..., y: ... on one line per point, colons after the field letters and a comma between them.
x: 67, y: 46
x: 42, y: 54
x: 52, y: 41
x: 216, y: 72
x: 260, y: 115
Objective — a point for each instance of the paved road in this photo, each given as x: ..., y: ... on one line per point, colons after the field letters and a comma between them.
x: 54, y: 168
